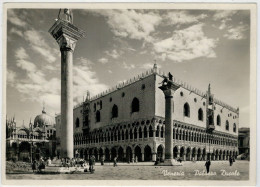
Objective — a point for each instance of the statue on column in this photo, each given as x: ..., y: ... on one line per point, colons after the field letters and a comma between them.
x: 67, y: 15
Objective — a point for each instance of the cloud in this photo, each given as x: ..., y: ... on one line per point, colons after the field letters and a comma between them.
x: 131, y: 23
x: 223, y: 14
x: 85, y: 80
x: 39, y: 45
x: 182, y: 17
x: 14, y: 18
x: 11, y: 76
x: 114, y: 54
x: 128, y: 66
x: 186, y: 44
x: 236, y: 33
x: 16, y: 31
x: 109, y: 71
x: 103, y: 60
x: 149, y: 66
x: 26, y: 65
x: 21, y: 53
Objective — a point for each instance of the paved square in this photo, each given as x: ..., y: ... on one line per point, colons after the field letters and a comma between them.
x: 146, y: 171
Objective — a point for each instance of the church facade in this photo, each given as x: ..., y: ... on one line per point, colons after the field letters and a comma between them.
x: 32, y: 142
x: 128, y: 122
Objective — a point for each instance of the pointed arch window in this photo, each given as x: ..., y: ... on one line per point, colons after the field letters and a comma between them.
x: 77, y: 123
x: 227, y: 125
x: 234, y: 127
x: 115, y: 111
x: 218, y: 120
x: 186, y: 110
x: 200, y: 114
x: 98, y: 116
x: 135, y: 105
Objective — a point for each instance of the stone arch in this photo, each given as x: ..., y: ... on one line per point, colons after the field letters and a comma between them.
x: 200, y: 114
x: 113, y: 153
x: 186, y: 110
x: 145, y: 132
x: 129, y: 154
x: 147, y: 153
x: 150, y: 131
x: 157, y: 131
x: 199, y: 155
x: 175, y: 152
x: 107, y: 154
x: 162, y: 131
x: 182, y: 153
x: 135, y: 133
x: 98, y: 116
x: 160, y: 152
x: 77, y: 123
x: 188, y: 154
x: 193, y: 153
x: 218, y: 120
x: 114, y: 111
x: 138, y: 153
x: 120, y: 154
x: 135, y: 106
x: 140, y: 132
x: 24, y: 151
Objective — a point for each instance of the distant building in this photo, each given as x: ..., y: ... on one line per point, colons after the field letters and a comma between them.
x: 37, y: 140
x: 128, y: 122
x: 244, y: 141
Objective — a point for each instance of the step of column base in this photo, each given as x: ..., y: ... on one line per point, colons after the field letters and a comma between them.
x: 170, y: 162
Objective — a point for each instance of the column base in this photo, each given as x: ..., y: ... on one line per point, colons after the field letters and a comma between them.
x: 170, y: 162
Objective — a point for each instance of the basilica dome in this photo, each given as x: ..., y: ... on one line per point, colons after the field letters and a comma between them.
x: 43, y: 119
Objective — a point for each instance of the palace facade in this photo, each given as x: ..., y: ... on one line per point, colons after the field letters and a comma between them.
x: 128, y: 122
x: 32, y: 142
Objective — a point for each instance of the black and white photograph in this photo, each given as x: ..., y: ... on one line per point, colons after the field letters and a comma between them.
x: 151, y: 92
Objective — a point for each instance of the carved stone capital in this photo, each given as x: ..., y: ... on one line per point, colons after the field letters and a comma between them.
x: 66, y: 43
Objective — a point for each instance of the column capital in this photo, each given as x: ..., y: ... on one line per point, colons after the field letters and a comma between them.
x: 66, y: 34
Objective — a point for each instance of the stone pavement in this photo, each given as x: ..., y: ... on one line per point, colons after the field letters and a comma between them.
x: 219, y: 170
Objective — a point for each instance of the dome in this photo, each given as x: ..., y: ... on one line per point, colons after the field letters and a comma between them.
x: 43, y: 119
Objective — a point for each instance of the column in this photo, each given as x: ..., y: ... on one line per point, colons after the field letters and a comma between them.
x: 154, y: 157
x: 66, y: 35
x: 168, y: 89
x: 184, y: 155
x: 142, y: 157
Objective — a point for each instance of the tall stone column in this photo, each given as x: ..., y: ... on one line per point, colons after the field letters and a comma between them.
x: 168, y: 88
x: 66, y: 35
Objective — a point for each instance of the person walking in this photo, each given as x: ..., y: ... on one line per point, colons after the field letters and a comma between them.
x: 230, y: 161
x: 115, y: 161
x: 207, y: 164
x: 102, y: 160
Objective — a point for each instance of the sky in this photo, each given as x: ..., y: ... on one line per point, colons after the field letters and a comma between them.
x: 196, y: 46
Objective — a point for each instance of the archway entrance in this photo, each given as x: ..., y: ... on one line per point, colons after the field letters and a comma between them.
x: 113, y: 153
x: 175, y: 152
x: 101, y: 153
x: 182, y: 153
x: 24, y: 151
x: 199, y: 155
x: 120, y: 154
x: 160, y: 152
x: 147, y: 153
x: 193, y: 153
x: 138, y: 153
x: 204, y: 154
x: 86, y: 154
x: 107, y: 156
x: 129, y: 154
x: 188, y: 154
x: 96, y: 154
